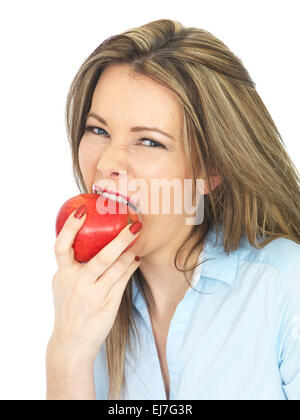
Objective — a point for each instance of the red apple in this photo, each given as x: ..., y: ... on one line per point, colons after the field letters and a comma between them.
x: 98, y: 229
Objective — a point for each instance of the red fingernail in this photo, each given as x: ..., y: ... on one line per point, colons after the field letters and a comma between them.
x: 80, y: 211
x: 136, y: 227
x: 137, y: 258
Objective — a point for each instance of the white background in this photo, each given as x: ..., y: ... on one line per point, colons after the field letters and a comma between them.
x: 43, y: 43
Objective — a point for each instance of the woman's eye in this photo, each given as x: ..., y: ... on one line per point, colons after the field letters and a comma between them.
x: 92, y: 130
x: 156, y: 143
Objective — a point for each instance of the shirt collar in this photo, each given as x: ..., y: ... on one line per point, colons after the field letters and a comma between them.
x: 216, y: 263
x: 219, y: 265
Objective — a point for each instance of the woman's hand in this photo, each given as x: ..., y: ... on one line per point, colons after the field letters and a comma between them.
x: 87, y: 297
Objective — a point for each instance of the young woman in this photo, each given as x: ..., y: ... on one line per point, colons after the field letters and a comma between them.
x: 211, y: 310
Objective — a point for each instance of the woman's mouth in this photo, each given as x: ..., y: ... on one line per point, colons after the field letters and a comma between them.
x: 114, y: 196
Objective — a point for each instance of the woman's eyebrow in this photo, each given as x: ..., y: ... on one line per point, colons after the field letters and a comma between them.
x: 133, y: 129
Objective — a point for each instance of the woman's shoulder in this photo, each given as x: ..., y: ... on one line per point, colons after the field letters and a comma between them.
x: 281, y: 253
x: 281, y: 256
x: 276, y: 267
x: 279, y: 262
x: 278, y: 259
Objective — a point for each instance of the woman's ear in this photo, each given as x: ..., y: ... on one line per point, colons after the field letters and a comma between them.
x: 215, y: 180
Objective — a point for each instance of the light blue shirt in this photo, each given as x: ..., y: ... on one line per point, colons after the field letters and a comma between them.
x: 240, y: 340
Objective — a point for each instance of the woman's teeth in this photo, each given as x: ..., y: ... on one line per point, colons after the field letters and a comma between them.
x: 115, y: 197
x: 118, y: 199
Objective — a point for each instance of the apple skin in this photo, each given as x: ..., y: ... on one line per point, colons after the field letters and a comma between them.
x: 98, y: 229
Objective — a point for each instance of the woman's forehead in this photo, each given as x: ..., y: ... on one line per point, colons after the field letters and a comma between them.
x: 138, y: 98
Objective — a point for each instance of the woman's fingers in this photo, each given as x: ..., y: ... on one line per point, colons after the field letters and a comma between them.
x: 63, y: 247
x: 106, y: 257
x: 115, y: 272
x: 86, y: 302
x: 117, y: 286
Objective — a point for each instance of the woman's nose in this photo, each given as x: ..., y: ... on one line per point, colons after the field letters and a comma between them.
x: 113, y: 162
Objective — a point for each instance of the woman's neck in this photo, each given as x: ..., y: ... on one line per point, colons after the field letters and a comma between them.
x: 167, y: 285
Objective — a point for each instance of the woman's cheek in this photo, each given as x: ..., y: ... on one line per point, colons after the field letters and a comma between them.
x: 149, y: 162
x: 87, y: 159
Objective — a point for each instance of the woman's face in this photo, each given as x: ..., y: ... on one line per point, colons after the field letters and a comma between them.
x: 113, y: 150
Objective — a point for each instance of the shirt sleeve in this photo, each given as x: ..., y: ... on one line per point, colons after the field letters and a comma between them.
x: 288, y: 322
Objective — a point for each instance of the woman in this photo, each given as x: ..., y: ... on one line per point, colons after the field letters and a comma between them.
x: 211, y: 310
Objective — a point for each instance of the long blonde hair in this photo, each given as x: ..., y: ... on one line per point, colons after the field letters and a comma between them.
x: 227, y: 129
